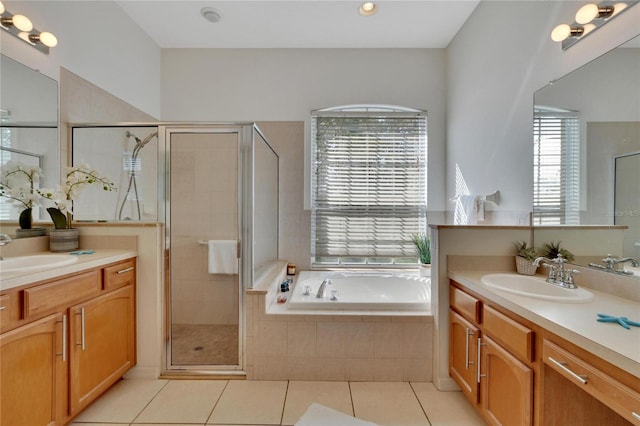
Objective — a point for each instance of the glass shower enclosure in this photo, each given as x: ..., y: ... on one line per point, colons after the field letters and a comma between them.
x: 215, y: 188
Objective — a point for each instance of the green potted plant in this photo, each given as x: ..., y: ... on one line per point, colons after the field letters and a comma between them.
x: 552, y: 250
x: 64, y: 237
x: 423, y: 249
x: 525, y: 256
x: 18, y: 185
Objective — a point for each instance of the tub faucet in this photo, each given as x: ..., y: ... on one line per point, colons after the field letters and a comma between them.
x: 322, y: 290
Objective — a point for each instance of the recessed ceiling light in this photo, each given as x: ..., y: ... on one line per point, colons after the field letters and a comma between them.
x: 368, y: 8
x: 211, y: 14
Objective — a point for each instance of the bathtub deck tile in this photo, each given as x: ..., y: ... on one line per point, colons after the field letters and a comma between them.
x: 331, y: 369
x: 360, y: 370
x: 388, y: 370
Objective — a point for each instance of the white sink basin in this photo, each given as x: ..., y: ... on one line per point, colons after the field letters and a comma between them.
x: 36, y: 262
x: 535, y: 287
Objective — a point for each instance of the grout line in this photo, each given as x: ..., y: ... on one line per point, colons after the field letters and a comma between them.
x: 419, y: 402
x: 286, y: 393
x: 353, y: 407
x: 150, y: 401
x: 217, y: 401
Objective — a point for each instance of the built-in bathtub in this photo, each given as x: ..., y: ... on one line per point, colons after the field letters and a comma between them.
x: 362, y: 291
x: 331, y: 342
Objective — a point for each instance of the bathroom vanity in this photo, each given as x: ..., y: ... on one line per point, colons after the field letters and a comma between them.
x: 536, y: 362
x: 67, y: 334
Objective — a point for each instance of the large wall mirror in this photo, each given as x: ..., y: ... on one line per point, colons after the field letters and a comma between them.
x: 587, y: 147
x: 28, y: 129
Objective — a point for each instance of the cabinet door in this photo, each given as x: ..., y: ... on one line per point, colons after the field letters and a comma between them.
x: 507, y: 390
x: 102, y: 338
x: 463, y: 355
x: 33, y: 373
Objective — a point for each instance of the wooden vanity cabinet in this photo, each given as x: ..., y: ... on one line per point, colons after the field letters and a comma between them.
x: 33, y: 365
x: 531, y: 376
x: 463, y: 355
x: 102, y: 345
x: 494, y: 370
x: 65, y: 341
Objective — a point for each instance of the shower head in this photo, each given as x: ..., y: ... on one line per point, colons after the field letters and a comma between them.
x: 131, y: 135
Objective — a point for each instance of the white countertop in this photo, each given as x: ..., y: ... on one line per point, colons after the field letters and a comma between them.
x: 85, y: 261
x: 575, y: 322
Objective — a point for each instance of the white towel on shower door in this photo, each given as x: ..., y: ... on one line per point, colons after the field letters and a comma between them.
x: 223, y: 256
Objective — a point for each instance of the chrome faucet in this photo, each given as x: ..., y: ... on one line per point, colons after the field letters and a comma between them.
x: 558, y: 274
x: 4, y: 240
x: 322, y: 290
x: 611, y: 261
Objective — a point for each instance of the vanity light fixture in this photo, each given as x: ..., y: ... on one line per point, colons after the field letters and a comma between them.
x: 589, y: 18
x: 368, y: 8
x: 20, y: 26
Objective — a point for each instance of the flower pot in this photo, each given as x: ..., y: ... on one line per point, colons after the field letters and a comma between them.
x: 33, y: 232
x: 61, y: 240
x: 425, y: 270
x: 525, y: 267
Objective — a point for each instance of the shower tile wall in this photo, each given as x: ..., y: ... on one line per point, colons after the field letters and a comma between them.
x: 204, y: 200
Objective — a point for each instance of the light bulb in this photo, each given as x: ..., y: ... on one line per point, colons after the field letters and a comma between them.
x: 1, y: 7
x: 48, y: 39
x: 561, y: 32
x: 587, y: 13
x: 368, y: 8
x: 22, y: 23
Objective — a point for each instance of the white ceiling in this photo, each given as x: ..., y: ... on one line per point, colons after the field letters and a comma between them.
x: 300, y: 23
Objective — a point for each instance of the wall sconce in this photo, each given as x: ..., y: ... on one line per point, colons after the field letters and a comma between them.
x: 589, y: 18
x: 20, y: 26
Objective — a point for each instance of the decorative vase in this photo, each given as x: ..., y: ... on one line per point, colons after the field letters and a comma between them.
x: 33, y: 232
x: 525, y: 267
x: 425, y: 270
x: 61, y: 240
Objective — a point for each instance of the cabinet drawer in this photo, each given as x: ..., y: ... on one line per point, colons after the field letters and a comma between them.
x: 9, y: 310
x: 120, y: 274
x: 61, y: 293
x: 609, y: 391
x: 465, y: 304
x: 517, y: 338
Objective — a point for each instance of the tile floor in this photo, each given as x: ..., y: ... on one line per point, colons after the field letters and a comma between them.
x: 238, y: 402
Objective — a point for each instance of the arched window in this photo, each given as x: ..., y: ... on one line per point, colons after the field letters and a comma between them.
x: 369, y: 185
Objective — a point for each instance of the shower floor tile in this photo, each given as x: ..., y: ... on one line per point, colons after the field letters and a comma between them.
x: 204, y: 344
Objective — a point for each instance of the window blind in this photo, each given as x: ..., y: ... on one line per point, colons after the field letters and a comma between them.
x: 369, y: 186
x: 556, y: 177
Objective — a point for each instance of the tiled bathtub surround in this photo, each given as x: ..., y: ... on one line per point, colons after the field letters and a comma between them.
x: 335, y: 347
